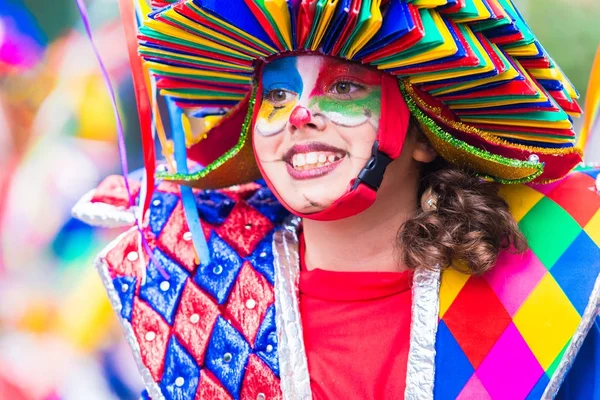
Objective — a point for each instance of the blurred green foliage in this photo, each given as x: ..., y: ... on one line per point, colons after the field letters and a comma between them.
x: 570, y: 31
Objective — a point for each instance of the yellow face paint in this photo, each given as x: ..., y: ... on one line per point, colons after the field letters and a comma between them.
x: 272, y: 119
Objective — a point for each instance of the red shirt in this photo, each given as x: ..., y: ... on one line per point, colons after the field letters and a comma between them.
x: 356, y: 332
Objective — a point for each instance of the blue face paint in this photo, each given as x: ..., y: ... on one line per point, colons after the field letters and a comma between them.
x: 282, y: 73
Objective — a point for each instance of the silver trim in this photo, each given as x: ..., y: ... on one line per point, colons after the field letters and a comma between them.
x: 293, y: 364
x: 102, y: 214
x: 102, y: 267
x: 420, y: 371
x: 587, y: 320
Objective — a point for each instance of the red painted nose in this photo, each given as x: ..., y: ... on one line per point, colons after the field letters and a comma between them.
x: 300, y: 116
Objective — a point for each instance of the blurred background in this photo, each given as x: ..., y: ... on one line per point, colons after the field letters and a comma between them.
x: 58, y: 336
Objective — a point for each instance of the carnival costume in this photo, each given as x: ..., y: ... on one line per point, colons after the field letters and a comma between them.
x: 205, y: 284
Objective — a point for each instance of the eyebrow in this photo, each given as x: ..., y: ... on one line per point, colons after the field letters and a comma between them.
x: 336, y: 68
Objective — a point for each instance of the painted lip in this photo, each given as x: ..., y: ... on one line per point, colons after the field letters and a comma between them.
x: 313, y: 172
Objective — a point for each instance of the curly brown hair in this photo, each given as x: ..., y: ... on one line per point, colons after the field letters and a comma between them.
x: 462, y: 223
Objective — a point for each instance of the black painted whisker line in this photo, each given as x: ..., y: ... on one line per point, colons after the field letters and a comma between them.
x: 312, y: 202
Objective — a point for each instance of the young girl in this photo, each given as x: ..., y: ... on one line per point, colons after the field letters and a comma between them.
x: 406, y: 272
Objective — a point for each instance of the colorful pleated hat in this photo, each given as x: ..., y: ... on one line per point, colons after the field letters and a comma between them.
x: 483, y: 89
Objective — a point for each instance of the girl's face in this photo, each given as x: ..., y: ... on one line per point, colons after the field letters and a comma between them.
x: 316, y: 125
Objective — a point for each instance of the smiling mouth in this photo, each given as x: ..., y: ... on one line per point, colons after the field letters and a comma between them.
x: 312, y: 160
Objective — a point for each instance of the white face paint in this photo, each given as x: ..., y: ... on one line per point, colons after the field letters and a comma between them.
x: 323, y: 85
x: 316, y: 125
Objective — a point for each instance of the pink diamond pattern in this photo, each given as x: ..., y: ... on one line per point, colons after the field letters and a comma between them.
x: 514, y: 277
x: 474, y: 390
x: 510, y: 370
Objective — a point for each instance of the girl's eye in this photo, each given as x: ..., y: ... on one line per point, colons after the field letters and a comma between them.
x: 279, y: 97
x: 345, y: 88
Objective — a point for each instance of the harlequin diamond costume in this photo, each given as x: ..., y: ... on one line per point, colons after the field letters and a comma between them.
x: 206, y: 283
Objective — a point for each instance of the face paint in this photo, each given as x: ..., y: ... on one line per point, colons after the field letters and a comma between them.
x: 300, y: 116
x: 282, y: 85
x: 271, y: 119
x: 350, y: 113
x: 315, y: 127
x: 348, y: 94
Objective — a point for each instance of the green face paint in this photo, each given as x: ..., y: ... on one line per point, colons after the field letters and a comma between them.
x: 350, y: 112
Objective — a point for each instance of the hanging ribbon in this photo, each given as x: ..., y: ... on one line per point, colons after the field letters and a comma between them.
x: 128, y: 18
x: 187, y: 196
x: 121, y: 138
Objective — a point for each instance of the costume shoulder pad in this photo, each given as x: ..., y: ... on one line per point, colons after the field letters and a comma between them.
x: 195, y: 331
x: 537, y: 306
x: 108, y: 205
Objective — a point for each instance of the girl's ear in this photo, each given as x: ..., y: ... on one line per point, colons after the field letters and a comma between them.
x: 423, y: 152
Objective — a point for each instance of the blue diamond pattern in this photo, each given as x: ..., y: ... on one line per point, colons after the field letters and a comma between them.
x: 450, y: 361
x: 181, y: 374
x: 213, y: 206
x: 576, y: 270
x: 125, y: 287
x: 218, y: 277
x: 262, y: 258
x: 582, y: 380
x: 267, y: 337
x: 538, y: 389
x: 163, y: 295
x: 265, y: 202
x: 226, y: 342
x: 161, y: 207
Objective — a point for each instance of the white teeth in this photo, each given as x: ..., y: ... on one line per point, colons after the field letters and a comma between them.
x: 312, y: 158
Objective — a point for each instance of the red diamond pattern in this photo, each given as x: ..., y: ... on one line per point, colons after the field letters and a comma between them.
x: 260, y: 379
x: 477, y: 302
x: 246, y: 307
x: 168, y: 187
x: 112, y: 191
x: 174, y: 242
x: 119, y: 260
x: 241, y: 192
x: 250, y: 297
x: 152, y: 334
x: 209, y: 389
x: 244, y: 228
x: 577, y: 195
x: 195, y: 320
